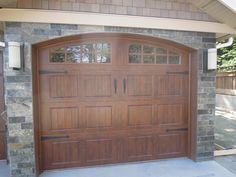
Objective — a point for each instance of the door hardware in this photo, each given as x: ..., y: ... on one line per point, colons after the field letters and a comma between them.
x: 115, y: 86
x: 43, y: 138
x: 52, y: 72
x: 177, y: 130
x: 173, y: 72
x: 124, y: 86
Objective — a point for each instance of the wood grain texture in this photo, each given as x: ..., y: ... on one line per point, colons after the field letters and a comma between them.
x: 114, y: 112
x: 2, y: 108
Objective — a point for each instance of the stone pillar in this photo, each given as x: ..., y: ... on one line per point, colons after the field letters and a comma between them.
x: 18, y: 95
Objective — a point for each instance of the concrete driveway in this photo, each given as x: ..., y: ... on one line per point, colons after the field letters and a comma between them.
x: 229, y: 162
x: 181, y: 167
x: 225, y: 129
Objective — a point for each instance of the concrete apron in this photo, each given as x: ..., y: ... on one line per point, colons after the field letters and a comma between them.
x: 180, y: 167
x: 4, y: 169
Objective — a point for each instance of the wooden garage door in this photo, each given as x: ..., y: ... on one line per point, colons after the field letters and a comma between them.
x: 112, y: 99
x: 2, y: 108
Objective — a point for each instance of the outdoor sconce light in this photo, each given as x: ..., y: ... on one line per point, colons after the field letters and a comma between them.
x: 2, y: 44
x: 14, y: 55
x: 210, y: 59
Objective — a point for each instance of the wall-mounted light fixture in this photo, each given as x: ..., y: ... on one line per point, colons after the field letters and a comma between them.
x: 212, y: 59
x: 210, y: 55
x: 209, y: 59
x: 14, y: 50
x: 2, y: 44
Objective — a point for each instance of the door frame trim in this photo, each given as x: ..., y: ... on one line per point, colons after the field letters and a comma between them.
x: 4, y: 104
x: 192, y: 108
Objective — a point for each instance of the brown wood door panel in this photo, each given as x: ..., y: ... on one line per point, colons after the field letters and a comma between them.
x: 172, y: 114
x: 74, y: 152
x: 55, y: 87
x: 92, y: 114
x: 140, y: 115
x: 79, y: 86
x: 2, y: 146
x: 140, y: 147
x: 60, y: 117
x: 152, y: 85
x: 99, y: 85
x: 100, y: 150
x: 140, y: 85
x: 172, y: 85
x: 172, y: 144
x: 99, y: 117
x: 1, y: 89
x: 62, y: 153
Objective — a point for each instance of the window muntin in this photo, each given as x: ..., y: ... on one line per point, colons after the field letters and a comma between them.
x: 148, y: 54
x: 82, y: 53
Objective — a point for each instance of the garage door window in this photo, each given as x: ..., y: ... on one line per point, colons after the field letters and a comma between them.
x: 82, y: 53
x: 147, y: 54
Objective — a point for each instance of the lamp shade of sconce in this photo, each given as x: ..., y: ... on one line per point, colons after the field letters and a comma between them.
x: 14, y: 55
x: 2, y: 44
x: 212, y: 59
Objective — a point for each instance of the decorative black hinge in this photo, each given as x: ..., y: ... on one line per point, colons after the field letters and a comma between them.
x: 52, y: 72
x: 43, y: 138
x: 177, y: 130
x: 175, y: 72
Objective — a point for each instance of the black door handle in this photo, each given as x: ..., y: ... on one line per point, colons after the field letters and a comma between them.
x: 124, y: 86
x: 115, y: 85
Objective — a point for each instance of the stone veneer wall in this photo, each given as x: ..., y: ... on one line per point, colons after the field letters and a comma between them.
x: 180, y: 9
x: 19, y: 87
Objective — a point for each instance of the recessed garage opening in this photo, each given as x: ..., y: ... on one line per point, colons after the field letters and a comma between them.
x: 111, y: 98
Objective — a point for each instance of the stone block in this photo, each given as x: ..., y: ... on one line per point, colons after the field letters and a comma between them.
x: 204, y: 111
x: 13, y: 139
x: 16, y: 119
x: 25, y: 164
x: 40, y: 32
x: 63, y: 26
x: 18, y: 79
x: 209, y: 40
x: 55, y: 32
x: 13, y: 25
x: 26, y: 126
